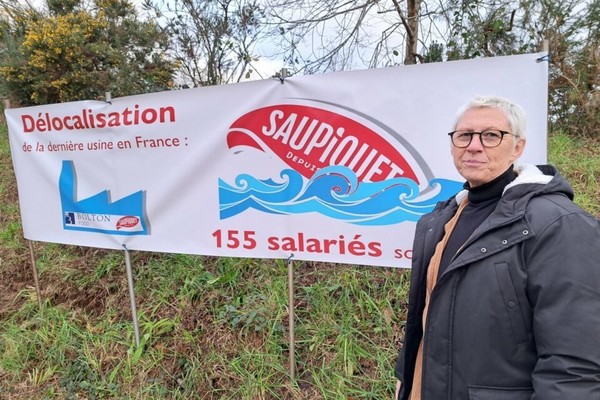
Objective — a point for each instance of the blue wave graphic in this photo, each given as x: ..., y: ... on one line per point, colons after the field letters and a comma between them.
x: 335, y: 192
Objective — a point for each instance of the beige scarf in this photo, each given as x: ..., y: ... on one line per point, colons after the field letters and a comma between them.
x: 432, y: 276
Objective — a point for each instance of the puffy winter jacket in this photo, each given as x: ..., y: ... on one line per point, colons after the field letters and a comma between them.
x: 516, y: 315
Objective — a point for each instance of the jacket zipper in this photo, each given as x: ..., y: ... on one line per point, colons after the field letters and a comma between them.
x: 470, y: 240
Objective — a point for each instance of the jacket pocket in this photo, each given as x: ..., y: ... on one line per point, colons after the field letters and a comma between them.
x: 488, y: 393
x: 511, y: 302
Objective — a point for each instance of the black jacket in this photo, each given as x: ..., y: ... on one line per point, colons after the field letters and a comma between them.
x: 516, y: 315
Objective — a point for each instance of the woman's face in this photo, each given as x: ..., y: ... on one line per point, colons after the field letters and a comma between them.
x: 478, y: 164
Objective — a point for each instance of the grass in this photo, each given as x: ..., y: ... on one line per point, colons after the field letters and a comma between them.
x: 211, y: 328
x: 579, y: 161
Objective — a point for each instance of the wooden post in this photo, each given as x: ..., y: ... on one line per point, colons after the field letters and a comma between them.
x: 283, y: 74
x: 546, y: 46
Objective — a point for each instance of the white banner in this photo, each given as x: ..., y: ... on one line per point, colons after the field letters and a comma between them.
x: 335, y: 167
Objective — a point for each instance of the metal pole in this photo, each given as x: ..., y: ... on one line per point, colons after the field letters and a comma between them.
x: 136, y: 328
x: 291, y: 316
x: 35, y: 275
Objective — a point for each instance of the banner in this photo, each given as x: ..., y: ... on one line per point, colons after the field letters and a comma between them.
x: 335, y: 167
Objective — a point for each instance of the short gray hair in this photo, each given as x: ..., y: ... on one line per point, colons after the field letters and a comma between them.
x: 513, y: 112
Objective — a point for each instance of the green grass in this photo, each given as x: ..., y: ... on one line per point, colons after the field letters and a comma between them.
x: 579, y: 161
x: 211, y: 328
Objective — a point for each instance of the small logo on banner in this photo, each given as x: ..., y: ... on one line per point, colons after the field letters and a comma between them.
x: 70, y: 218
x: 97, y: 213
x: 127, y: 222
x: 338, y: 166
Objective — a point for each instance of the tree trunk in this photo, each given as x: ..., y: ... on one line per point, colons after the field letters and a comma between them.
x: 412, y: 34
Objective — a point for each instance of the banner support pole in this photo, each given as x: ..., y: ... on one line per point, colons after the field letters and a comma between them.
x: 35, y: 275
x: 136, y: 328
x: 292, y: 351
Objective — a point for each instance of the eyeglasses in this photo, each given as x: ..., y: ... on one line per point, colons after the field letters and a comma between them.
x: 489, y: 138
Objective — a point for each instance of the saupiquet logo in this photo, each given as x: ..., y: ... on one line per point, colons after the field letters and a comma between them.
x: 338, y: 166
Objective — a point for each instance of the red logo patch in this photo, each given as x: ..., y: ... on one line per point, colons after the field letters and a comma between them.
x: 127, y: 222
x: 309, y: 138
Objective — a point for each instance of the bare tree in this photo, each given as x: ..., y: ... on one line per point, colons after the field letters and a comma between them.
x: 213, y: 40
x: 327, y: 35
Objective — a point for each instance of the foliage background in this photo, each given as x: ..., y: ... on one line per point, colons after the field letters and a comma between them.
x: 77, y: 51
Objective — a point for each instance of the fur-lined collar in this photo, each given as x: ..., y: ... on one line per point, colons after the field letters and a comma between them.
x: 526, y: 173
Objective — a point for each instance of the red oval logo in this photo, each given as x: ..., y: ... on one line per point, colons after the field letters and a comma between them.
x: 127, y: 222
x: 308, y: 138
